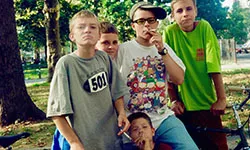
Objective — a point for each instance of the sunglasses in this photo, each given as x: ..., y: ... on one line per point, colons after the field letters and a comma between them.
x: 142, y: 21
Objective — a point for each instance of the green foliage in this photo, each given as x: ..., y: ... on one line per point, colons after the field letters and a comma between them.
x: 246, y: 21
x: 31, y: 25
x: 212, y: 11
x: 34, y: 71
x: 31, y: 30
x: 237, y: 28
x: 117, y: 12
x: 29, y: 17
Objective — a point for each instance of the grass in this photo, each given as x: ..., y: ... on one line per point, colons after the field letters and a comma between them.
x: 35, y: 73
x: 241, y: 78
x: 42, y: 132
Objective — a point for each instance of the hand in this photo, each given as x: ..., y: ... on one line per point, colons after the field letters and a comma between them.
x: 156, y: 39
x: 76, y: 146
x: 144, y: 142
x: 123, y: 123
x: 178, y: 107
x: 218, y: 108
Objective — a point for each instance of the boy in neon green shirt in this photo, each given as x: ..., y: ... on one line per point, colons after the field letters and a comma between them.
x: 202, y: 94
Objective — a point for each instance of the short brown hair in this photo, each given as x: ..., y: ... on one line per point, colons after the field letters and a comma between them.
x: 138, y: 115
x: 82, y: 13
x: 107, y: 27
x: 175, y: 1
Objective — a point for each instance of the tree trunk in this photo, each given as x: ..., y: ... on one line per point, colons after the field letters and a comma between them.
x: 36, y: 55
x: 15, y: 103
x: 51, y: 12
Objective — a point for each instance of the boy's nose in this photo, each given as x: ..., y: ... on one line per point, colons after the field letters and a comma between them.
x: 87, y: 29
x: 146, y: 24
x: 140, y: 132
x: 111, y: 46
x: 185, y: 13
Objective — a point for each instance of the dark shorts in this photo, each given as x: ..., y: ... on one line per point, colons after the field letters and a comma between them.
x: 205, y: 140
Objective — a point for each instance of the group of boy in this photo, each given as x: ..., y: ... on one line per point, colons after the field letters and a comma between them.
x: 87, y: 84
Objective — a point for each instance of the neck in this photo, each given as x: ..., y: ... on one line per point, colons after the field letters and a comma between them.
x: 85, y: 51
x: 191, y: 28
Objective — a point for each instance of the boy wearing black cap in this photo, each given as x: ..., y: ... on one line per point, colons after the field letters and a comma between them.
x: 146, y: 64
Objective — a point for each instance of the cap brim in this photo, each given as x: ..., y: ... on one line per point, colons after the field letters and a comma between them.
x: 159, y: 12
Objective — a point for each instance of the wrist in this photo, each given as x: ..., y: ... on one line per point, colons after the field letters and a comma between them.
x: 163, y: 52
x: 122, y: 113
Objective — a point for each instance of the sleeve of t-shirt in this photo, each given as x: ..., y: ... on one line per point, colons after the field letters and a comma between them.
x: 119, y: 57
x: 175, y: 57
x: 212, y: 50
x: 118, y: 87
x: 59, y: 98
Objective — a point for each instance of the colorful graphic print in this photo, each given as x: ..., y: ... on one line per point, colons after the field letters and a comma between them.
x: 147, y: 87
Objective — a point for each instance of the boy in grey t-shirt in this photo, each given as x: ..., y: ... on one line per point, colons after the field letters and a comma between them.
x: 81, y: 89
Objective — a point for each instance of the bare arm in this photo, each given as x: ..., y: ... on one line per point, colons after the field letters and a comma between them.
x: 122, y: 118
x: 219, y: 106
x: 175, y: 72
x: 177, y: 106
x: 65, y: 129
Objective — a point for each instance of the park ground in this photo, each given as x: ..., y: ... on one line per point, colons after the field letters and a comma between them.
x: 42, y: 131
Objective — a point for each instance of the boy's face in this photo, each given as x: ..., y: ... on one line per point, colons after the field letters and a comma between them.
x: 142, y: 27
x: 141, y: 127
x: 108, y: 43
x: 85, y: 31
x: 184, y: 13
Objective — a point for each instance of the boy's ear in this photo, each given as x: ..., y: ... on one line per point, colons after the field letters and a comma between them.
x: 133, y: 26
x: 153, y: 131
x: 71, y: 37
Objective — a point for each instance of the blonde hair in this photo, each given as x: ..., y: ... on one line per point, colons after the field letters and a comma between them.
x: 82, y: 14
x: 175, y: 1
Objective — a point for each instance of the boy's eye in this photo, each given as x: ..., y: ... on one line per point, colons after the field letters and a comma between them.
x: 81, y: 27
x: 151, y: 20
x: 134, y: 129
x: 179, y: 10
x: 93, y: 27
x: 105, y: 43
x: 141, y: 21
x: 189, y: 8
x: 115, y: 42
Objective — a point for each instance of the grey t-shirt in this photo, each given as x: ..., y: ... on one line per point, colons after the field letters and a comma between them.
x: 80, y: 89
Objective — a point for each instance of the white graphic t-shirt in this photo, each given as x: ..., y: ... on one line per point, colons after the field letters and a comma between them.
x: 147, y: 87
x: 143, y: 71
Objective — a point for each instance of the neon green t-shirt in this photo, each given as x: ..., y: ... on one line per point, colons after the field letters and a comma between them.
x: 200, y: 52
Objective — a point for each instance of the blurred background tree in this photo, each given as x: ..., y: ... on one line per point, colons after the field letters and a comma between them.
x: 227, y: 23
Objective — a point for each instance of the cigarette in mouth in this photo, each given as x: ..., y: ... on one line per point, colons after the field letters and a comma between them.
x: 153, y: 30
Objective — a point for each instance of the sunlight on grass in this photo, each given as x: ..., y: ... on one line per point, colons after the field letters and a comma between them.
x: 34, y: 73
x: 42, y: 132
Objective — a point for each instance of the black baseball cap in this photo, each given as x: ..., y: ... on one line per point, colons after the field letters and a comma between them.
x: 159, y: 12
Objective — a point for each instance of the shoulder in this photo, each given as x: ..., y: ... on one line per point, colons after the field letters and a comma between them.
x: 126, y: 47
x: 101, y: 55
x: 172, y: 27
x: 204, y: 23
x: 126, y: 44
x: 65, y: 59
